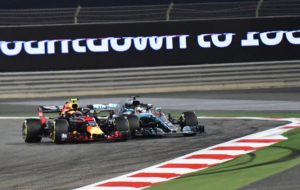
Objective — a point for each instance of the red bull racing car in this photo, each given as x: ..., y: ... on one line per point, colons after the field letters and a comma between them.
x: 74, y: 124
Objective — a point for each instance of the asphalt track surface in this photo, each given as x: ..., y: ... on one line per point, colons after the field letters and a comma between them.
x: 49, y: 166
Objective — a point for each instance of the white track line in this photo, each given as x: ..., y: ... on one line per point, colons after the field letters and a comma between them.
x: 5, y: 118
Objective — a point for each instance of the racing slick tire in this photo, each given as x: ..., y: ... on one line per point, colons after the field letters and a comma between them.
x: 134, y: 124
x: 189, y: 119
x: 60, y: 131
x: 122, y: 124
x: 32, y: 130
x: 192, y: 120
x: 120, y: 130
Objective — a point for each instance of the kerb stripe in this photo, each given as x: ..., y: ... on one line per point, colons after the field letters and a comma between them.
x: 245, y: 148
x: 212, y: 156
x: 160, y: 175
x: 190, y: 166
x: 260, y: 140
x: 126, y: 184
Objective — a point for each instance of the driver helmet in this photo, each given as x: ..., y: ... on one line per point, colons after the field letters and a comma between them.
x: 139, y: 110
x: 71, y: 105
x: 158, y: 111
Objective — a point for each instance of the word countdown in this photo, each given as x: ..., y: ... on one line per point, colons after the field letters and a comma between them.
x: 146, y: 43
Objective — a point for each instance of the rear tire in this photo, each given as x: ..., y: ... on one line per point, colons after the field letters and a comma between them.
x: 134, y: 124
x: 32, y: 131
x: 61, y: 127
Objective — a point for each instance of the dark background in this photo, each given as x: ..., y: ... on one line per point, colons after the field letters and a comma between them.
x: 24, y: 4
x: 133, y: 58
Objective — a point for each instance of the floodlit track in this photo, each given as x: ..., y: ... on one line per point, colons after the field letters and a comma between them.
x: 49, y: 166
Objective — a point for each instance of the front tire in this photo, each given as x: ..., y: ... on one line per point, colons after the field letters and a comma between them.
x: 122, y: 124
x: 134, y: 124
x: 189, y: 119
x: 60, y: 131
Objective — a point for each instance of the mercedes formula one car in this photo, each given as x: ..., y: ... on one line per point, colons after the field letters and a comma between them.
x: 147, y: 121
x: 73, y: 124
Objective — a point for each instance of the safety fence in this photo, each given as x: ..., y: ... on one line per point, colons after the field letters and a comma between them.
x: 150, y: 80
x: 165, y: 12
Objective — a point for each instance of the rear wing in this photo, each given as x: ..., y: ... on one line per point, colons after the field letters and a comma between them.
x: 103, y: 107
x: 50, y: 109
x: 103, y: 111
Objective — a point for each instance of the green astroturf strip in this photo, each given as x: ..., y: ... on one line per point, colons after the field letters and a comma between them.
x: 242, y: 171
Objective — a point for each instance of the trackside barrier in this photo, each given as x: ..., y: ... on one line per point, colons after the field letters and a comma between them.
x: 150, y: 80
x: 148, y: 44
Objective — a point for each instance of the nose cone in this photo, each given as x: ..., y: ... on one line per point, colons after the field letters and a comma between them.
x: 94, y: 130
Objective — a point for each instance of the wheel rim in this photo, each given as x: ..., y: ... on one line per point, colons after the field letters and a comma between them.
x: 25, y: 131
x: 54, y: 134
